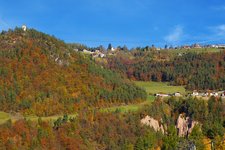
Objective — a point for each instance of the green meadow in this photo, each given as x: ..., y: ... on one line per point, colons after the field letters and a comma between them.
x: 129, y: 108
x: 160, y: 87
x: 49, y: 118
x: 150, y: 87
x: 6, y: 116
x: 192, y: 50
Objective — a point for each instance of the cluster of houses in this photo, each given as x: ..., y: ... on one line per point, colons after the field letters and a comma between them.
x: 112, y: 51
x: 191, y: 46
x: 208, y: 94
x: 93, y: 53
x: 218, y: 46
x: 196, y: 94
x: 196, y: 46
x: 203, y: 46
x: 176, y: 94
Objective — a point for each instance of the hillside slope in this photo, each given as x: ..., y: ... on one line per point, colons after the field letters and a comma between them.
x: 41, y: 75
x: 196, y: 71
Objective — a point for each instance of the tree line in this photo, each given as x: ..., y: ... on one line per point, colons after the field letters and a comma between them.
x: 196, y: 71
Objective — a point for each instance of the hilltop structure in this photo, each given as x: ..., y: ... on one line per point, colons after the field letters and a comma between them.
x: 24, y: 27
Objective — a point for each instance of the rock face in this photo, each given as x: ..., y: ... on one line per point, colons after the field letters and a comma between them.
x: 149, y: 121
x: 185, y: 125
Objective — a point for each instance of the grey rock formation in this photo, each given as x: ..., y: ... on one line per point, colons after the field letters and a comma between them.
x: 185, y: 125
x: 149, y: 121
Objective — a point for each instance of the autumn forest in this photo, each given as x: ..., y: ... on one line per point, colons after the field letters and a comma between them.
x: 43, y: 76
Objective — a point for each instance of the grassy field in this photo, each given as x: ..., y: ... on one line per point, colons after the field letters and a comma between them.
x: 193, y: 50
x: 129, y: 108
x: 50, y: 118
x: 160, y: 87
x: 150, y: 87
x: 5, y: 116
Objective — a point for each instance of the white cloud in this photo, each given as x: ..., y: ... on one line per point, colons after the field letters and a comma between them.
x: 215, y: 34
x: 219, y: 30
x: 219, y: 8
x: 176, y: 35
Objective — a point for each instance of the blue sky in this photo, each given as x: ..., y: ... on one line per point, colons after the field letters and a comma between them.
x: 120, y: 22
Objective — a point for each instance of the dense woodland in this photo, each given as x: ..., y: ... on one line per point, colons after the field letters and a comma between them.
x: 197, y: 71
x: 41, y: 75
x: 94, y: 130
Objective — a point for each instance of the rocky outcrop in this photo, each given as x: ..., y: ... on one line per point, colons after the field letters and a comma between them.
x: 151, y: 122
x: 185, y: 125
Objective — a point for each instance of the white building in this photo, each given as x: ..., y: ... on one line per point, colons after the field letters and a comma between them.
x: 87, y: 52
x: 102, y: 55
x: 218, y: 46
x: 214, y: 46
x: 215, y: 94
x: 195, y: 93
x: 113, y: 49
x: 177, y: 94
x: 162, y: 95
x: 221, y: 46
x: 24, y: 28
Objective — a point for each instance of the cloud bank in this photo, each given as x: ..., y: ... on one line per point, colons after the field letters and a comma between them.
x: 175, y: 36
x: 219, y: 30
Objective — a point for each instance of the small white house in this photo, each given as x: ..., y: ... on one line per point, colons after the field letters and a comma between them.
x: 177, y: 94
x: 162, y: 95
x: 221, y: 46
x: 205, y: 94
x: 195, y: 93
x: 215, y: 94
x: 87, y: 52
x: 97, y: 51
x: 214, y: 46
x: 180, y: 54
x: 113, y: 49
x: 102, y: 55
x: 210, y: 94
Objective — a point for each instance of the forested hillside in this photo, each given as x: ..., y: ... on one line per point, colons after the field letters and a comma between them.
x: 41, y: 75
x: 197, y: 71
x: 94, y: 130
